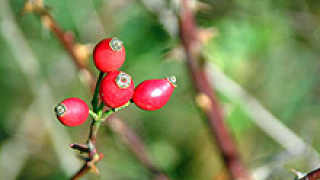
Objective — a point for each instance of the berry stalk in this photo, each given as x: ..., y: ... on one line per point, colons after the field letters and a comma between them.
x: 95, y: 99
x: 97, y: 118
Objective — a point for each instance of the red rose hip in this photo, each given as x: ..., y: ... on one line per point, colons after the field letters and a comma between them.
x: 153, y: 94
x: 72, y: 111
x: 116, y: 89
x: 109, y: 55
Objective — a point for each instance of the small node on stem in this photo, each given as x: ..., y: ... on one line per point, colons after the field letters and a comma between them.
x: 203, y: 101
x: 93, y: 115
x: 106, y: 114
x: 96, y: 158
x: 91, y: 146
x: 31, y: 6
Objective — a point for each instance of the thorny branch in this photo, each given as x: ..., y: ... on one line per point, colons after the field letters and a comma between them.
x: 132, y: 140
x: 313, y: 175
x: 204, y: 92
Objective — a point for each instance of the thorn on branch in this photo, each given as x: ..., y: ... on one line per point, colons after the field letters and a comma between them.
x: 80, y: 147
x: 313, y: 175
x: 299, y: 175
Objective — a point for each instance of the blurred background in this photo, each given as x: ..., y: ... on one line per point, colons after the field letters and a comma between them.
x: 263, y: 58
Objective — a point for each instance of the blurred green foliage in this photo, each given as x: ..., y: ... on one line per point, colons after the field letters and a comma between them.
x: 269, y: 47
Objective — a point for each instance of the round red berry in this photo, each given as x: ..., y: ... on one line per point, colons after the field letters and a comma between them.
x: 153, y: 94
x: 72, y: 111
x: 109, y: 55
x: 116, y: 89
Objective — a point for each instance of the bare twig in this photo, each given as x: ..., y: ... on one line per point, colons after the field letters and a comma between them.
x: 135, y: 144
x: 211, y: 107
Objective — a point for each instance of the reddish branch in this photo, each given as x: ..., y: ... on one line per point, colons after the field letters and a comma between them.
x: 203, y: 89
x: 313, y: 175
x: 135, y: 144
x: 81, y: 172
x: 132, y: 140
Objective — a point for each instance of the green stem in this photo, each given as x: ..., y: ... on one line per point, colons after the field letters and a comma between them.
x: 106, y: 114
x: 100, y: 109
x: 93, y: 115
x: 122, y: 107
x: 94, y: 129
x: 95, y: 99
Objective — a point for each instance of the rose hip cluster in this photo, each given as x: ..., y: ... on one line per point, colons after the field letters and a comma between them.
x: 116, y: 88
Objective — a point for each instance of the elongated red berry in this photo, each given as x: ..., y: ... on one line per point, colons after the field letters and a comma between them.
x: 72, y: 111
x: 116, y: 89
x: 109, y: 55
x: 153, y: 94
